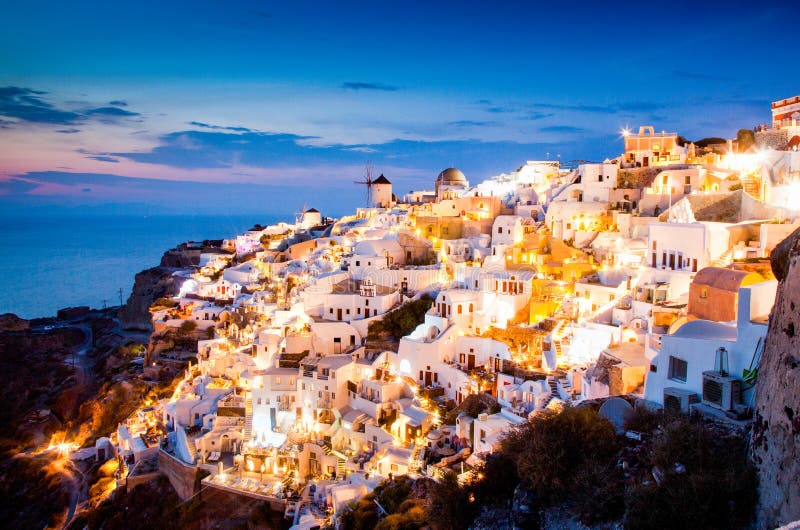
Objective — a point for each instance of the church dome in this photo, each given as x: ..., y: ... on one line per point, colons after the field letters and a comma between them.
x: 451, y: 175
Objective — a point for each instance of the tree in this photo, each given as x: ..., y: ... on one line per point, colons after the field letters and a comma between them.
x: 745, y: 139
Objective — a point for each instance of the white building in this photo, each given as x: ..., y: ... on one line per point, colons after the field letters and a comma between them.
x: 686, y: 355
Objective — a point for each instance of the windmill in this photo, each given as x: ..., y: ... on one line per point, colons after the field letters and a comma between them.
x: 367, y: 181
x: 298, y: 216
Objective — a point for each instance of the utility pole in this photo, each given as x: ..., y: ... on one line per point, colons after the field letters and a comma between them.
x: 105, y: 304
x: 120, y: 296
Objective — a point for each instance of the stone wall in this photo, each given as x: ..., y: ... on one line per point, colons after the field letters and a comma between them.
x: 180, y: 475
x: 775, y: 444
x: 776, y: 138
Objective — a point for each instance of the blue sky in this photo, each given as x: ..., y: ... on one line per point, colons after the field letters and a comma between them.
x: 163, y: 106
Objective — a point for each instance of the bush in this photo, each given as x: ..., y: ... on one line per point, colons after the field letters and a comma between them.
x: 643, y: 419
x: 401, y: 321
x: 564, y: 457
x: 187, y: 327
x: 716, y: 490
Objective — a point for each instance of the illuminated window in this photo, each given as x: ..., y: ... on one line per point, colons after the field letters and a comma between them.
x: 704, y: 292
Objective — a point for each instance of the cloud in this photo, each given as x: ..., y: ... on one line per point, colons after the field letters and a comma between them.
x: 27, y: 104
x: 613, y: 108
x: 578, y: 108
x: 562, y: 129
x: 113, y: 112
x: 489, y: 106
x: 472, y: 123
x: 219, y: 127
x: 118, y: 103
x: 16, y: 186
x: 363, y: 85
x: 533, y: 116
x: 103, y: 158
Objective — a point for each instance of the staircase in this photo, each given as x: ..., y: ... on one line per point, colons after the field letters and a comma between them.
x: 751, y: 185
x: 248, y: 417
x: 416, y: 460
x: 566, y: 385
x: 724, y: 260
x: 551, y: 382
x: 340, y: 468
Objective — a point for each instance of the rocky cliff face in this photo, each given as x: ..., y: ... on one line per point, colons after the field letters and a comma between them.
x: 776, y: 432
x: 149, y: 285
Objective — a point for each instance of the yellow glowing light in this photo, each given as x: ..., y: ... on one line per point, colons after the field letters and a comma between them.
x: 626, y: 132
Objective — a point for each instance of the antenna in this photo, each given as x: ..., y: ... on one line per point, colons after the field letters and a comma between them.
x: 367, y: 181
x: 119, y: 291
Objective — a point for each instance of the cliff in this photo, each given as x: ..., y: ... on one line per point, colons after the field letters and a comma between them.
x: 775, y: 443
x: 155, y: 283
x: 149, y: 285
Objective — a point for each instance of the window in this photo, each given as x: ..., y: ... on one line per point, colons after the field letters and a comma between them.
x: 277, y: 380
x: 460, y: 309
x: 330, y: 310
x: 358, y: 263
x: 499, y: 229
x: 366, y: 303
x: 677, y: 369
x: 704, y: 292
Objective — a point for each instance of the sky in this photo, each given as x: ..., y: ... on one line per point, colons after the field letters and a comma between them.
x: 248, y: 106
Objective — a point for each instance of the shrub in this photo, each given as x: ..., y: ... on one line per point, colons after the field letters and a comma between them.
x: 403, y: 320
x: 563, y: 457
x: 716, y: 490
x: 643, y: 419
x: 187, y: 327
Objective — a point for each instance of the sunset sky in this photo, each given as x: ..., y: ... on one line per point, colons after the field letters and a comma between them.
x: 246, y: 106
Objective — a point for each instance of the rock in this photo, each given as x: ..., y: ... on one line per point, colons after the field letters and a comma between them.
x: 779, y: 259
x: 149, y: 285
x: 11, y: 322
x: 181, y: 257
x: 775, y: 436
x: 73, y: 313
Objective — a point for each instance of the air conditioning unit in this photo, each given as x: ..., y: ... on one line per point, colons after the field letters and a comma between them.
x: 677, y: 400
x: 721, y: 391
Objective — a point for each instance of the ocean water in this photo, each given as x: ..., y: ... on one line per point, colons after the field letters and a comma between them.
x: 67, y: 260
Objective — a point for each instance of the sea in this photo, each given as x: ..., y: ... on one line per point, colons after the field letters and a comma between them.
x: 48, y: 263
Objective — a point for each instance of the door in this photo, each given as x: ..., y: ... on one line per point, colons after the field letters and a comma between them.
x: 427, y: 379
x: 470, y: 361
x: 339, y: 314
